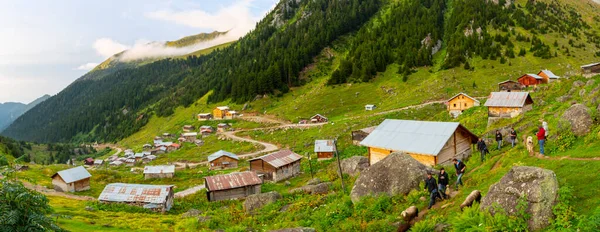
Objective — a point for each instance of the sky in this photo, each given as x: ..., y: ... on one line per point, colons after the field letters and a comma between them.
x: 46, y: 45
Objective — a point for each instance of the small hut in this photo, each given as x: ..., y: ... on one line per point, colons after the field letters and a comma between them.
x: 98, y: 162
x: 359, y: 135
x: 220, y: 112
x: 222, y: 127
x: 277, y: 166
x: 324, y: 149
x: 369, y: 107
x: 531, y: 80
x: 158, y: 198
x: 548, y: 76
x: 222, y: 160
x: 88, y: 161
x: 232, y: 114
x: 190, y: 137
x: 159, y: 172
x: 188, y: 128
x: 204, y: 117
x: 508, y: 104
x: 459, y: 103
x: 318, y: 119
x: 232, y: 186
x: 71, y: 180
x: 206, y: 130
x: 590, y: 69
x: 510, y: 86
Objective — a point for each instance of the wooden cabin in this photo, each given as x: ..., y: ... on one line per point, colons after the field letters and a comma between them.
x: 510, y: 86
x: 222, y: 127
x: 430, y: 143
x: 98, y: 162
x: 318, y: 119
x: 370, y: 107
x: 188, y: 128
x: 222, y: 160
x: 190, y: 137
x: 531, y: 80
x: 71, y: 180
x: 508, y: 104
x: 231, y: 114
x: 206, y: 130
x: 158, y: 198
x: 589, y: 70
x: 220, y: 112
x: 325, y: 149
x: 459, y: 103
x: 548, y: 76
x: 232, y: 186
x: 88, y: 161
x: 359, y: 135
x: 204, y: 117
x: 159, y: 172
x: 277, y: 166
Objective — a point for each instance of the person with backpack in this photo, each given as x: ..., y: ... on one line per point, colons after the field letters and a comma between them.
x: 442, y: 183
x: 541, y: 136
x: 460, y: 170
x: 431, y: 187
x: 482, y: 148
x: 499, y: 139
x: 513, y: 137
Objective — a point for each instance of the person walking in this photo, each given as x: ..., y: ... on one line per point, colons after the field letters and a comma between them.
x: 442, y: 183
x: 541, y: 136
x: 499, y: 139
x: 482, y: 148
x: 513, y: 137
x: 545, y: 126
x: 431, y: 186
x: 460, y: 170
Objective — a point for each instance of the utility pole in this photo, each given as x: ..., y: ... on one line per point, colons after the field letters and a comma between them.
x: 310, y: 165
x: 337, y: 155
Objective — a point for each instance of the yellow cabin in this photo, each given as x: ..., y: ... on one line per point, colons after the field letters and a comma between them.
x: 460, y: 103
x: 430, y: 143
x: 220, y: 112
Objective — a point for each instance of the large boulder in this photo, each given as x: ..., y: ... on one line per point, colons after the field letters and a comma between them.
x: 580, y: 119
x: 257, y: 201
x: 537, y: 186
x: 354, y: 165
x: 321, y: 188
x: 398, y: 173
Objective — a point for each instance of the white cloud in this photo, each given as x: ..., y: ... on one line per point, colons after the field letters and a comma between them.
x: 107, y: 47
x: 87, y: 67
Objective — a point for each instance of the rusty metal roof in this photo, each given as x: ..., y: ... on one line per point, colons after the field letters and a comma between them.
x: 73, y: 174
x: 508, y: 99
x: 159, y: 169
x: 324, y: 146
x: 120, y: 192
x: 232, y: 180
x: 280, y: 158
x: 220, y: 153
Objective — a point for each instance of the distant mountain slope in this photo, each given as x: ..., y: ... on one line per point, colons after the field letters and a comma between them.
x: 10, y: 111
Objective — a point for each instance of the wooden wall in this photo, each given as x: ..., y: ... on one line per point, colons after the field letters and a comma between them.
x: 593, y: 69
x: 287, y: 171
x: 460, y: 103
x: 510, y: 86
x: 235, y: 193
x: 158, y: 175
x: 507, y: 112
x: 218, y: 163
x: 324, y: 155
x: 219, y: 114
x: 377, y: 154
x: 60, y: 185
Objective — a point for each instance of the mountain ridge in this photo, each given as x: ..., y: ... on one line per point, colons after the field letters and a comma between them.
x: 10, y: 111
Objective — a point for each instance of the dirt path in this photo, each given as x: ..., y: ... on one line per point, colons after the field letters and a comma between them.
x: 52, y: 192
x: 540, y: 156
x: 189, y: 191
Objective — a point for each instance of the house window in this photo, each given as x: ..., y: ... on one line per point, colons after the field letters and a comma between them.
x: 465, y: 104
x: 454, y: 105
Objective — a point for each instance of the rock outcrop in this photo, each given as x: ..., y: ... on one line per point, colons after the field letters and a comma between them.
x: 398, y: 173
x: 257, y: 201
x: 537, y: 186
x: 579, y: 118
x: 320, y: 188
x: 354, y: 165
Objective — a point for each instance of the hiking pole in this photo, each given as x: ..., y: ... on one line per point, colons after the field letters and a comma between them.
x: 337, y: 155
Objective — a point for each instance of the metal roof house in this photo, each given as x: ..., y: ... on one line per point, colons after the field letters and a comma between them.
x: 277, y: 166
x: 154, y: 197
x: 531, y: 80
x: 430, y: 143
x: 510, y: 86
x: 589, y: 70
x: 324, y: 148
x: 232, y: 186
x: 317, y: 118
x: 160, y: 171
x: 222, y: 160
x: 459, y: 103
x: 220, y: 112
x: 370, y: 107
x: 508, y: 104
x: 548, y: 75
x: 71, y: 180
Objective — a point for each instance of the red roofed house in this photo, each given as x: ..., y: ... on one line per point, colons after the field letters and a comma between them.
x: 277, y: 166
x: 531, y: 80
x: 232, y: 186
x: 88, y: 161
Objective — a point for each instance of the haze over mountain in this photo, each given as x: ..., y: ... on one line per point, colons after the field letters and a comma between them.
x: 10, y: 111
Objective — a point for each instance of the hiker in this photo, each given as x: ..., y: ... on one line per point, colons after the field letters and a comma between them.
x: 442, y: 183
x: 431, y: 186
x: 513, y: 137
x: 482, y: 148
x: 541, y: 136
x: 545, y: 126
x: 499, y: 139
x: 460, y: 170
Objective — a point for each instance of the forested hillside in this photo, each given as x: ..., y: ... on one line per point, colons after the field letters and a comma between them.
x: 10, y: 111
x: 371, y: 36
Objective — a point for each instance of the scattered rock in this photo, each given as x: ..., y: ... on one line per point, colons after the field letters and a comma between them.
x: 580, y: 119
x: 422, y: 199
x: 582, y: 92
x: 537, y: 186
x: 441, y: 227
x: 287, y: 183
x: 578, y: 84
x: 298, y: 229
x: 284, y: 208
x: 354, y: 165
x: 314, y: 181
x: 191, y: 213
x: 89, y: 208
x: 563, y: 98
x: 446, y: 205
x: 321, y: 188
x: 257, y: 201
x: 590, y: 83
x: 398, y: 173
x: 202, y: 219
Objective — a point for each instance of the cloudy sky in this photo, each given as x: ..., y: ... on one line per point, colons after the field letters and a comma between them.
x: 46, y: 45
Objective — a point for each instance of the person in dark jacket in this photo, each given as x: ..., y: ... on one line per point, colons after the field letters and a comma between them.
x: 431, y: 187
x: 482, y: 148
x: 499, y: 139
x: 460, y: 170
x: 513, y: 137
x: 442, y: 183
